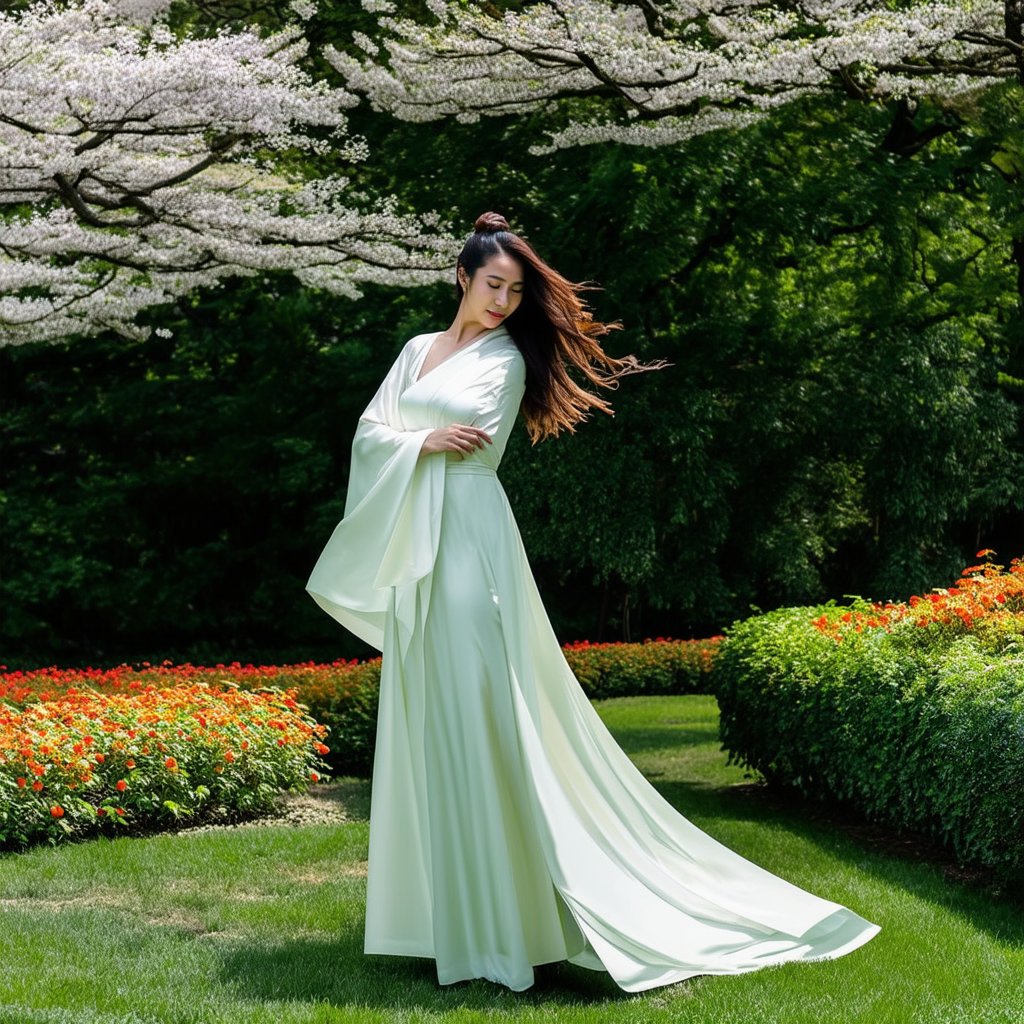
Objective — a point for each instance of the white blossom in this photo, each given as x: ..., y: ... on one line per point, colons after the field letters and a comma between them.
x: 661, y: 71
x: 136, y: 166
x: 305, y: 9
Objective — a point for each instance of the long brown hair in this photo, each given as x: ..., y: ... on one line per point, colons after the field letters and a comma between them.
x: 554, y: 331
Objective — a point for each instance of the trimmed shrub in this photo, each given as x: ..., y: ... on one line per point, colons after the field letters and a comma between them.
x: 656, y: 666
x: 913, y: 714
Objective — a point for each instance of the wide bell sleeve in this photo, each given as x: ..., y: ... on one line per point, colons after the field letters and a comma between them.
x: 389, y: 531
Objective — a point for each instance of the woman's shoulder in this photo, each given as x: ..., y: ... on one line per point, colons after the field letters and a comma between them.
x: 415, y: 345
x: 419, y: 339
x: 507, y: 353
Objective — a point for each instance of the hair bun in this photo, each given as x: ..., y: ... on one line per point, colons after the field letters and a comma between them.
x: 490, y: 222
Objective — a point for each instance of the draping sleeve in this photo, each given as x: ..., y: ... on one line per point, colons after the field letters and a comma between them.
x: 389, y: 531
x: 498, y: 412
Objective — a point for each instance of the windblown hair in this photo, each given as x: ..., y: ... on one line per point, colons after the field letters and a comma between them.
x: 555, y: 333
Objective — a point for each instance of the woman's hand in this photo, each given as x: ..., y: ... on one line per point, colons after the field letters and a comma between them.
x: 456, y: 438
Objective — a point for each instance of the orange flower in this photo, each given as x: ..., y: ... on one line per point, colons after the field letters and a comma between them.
x: 37, y: 785
x: 171, y: 763
x: 228, y: 756
x: 22, y: 783
x: 121, y: 785
x: 57, y: 811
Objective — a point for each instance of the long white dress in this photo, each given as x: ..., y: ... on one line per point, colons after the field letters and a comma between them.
x: 507, y: 827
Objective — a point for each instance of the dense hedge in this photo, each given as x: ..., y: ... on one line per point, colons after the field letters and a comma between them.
x: 913, y: 713
x: 342, y: 695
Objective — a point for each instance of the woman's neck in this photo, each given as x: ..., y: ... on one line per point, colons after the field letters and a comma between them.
x: 462, y: 333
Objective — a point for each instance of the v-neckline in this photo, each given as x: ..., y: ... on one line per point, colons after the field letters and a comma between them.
x: 465, y: 348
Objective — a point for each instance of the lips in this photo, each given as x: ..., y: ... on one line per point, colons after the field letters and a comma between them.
x: 497, y: 316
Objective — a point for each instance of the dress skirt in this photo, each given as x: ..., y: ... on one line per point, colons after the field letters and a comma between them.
x: 508, y: 828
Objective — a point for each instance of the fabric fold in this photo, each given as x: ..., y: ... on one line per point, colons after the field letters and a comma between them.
x: 388, y: 534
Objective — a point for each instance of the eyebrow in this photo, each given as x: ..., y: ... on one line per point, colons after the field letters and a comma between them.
x: 498, y: 277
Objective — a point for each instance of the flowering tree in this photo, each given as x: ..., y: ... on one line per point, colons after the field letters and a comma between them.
x: 655, y: 72
x: 136, y: 165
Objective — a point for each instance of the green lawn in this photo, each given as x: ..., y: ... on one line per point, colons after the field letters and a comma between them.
x: 263, y: 925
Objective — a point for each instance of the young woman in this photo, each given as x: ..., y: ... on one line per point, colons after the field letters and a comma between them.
x: 507, y: 827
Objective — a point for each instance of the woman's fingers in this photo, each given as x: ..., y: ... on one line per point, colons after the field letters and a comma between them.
x: 459, y: 437
x: 467, y: 438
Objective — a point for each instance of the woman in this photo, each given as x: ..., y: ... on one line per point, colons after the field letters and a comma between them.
x: 507, y: 827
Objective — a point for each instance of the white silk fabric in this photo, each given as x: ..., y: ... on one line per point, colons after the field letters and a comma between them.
x: 507, y: 827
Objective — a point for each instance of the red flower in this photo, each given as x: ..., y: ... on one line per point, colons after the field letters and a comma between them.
x: 171, y: 763
x: 121, y: 785
x: 57, y: 811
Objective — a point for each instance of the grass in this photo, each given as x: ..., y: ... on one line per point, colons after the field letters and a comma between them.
x: 263, y: 924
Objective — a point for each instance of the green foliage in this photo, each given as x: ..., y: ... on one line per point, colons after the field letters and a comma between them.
x: 918, y: 728
x: 843, y: 413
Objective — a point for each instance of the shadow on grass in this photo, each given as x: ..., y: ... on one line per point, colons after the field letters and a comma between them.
x: 296, y: 970
x: 647, y: 739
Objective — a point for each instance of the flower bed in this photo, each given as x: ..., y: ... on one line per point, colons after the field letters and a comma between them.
x: 342, y: 695
x: 81, y: 762
x: 911, y: 712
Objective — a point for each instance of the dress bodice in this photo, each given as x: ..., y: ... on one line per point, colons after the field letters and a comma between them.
x: 481, y: 385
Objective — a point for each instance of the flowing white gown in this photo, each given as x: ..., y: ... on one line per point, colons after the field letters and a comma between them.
x: 507, y: 827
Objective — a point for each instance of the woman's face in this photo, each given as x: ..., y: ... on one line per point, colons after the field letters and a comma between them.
x: 494, y: 292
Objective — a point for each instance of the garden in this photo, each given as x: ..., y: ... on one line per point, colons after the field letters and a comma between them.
x: 873, y: 751
x: 787, y: 573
